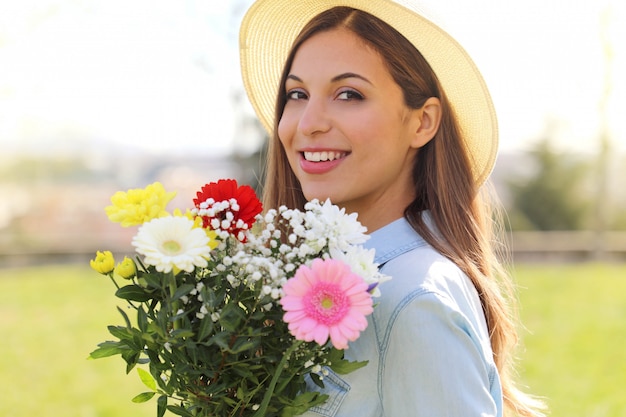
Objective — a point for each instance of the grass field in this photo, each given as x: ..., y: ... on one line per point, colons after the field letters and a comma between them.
x: 575, y: 341
x: 52, y: 317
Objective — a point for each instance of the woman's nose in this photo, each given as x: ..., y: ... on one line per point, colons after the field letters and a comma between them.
x: 314, y: 118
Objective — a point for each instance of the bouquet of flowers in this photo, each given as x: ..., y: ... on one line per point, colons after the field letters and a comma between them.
x: 236, y: 309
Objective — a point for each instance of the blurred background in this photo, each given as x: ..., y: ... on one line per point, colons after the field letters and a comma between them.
x: 99, y: 96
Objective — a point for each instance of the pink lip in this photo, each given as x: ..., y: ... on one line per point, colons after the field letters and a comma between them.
x: 320, y: 167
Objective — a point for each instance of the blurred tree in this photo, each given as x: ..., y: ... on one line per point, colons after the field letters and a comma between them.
x: 617, y: 216
x: 619, y: 222
x: 554, y: 195
x: 41, y: 169
x: 252, y: 167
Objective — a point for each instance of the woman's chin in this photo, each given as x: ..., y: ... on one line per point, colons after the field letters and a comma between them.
x: 321, y: 195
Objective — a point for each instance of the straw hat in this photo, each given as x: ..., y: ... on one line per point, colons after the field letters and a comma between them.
x: 270, y: 27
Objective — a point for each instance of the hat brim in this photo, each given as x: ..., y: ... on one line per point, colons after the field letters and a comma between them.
x: 270, y: 27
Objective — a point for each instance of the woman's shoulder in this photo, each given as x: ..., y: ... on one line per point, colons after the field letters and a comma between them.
x: 413, y: 264
x: 424, y: 271
x: 421, y: 275
x: 433, y: 294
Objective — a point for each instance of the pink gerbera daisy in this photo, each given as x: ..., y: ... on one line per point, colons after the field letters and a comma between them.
x: 326, y: 300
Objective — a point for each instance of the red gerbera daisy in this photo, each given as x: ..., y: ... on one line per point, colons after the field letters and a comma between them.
x: 223, y: 205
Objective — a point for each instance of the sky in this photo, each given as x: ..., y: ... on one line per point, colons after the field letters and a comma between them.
x: 163, y: 76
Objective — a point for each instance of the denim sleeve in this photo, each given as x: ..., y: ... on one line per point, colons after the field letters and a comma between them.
x: 434, y: 363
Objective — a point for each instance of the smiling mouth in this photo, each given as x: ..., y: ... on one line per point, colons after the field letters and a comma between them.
x: 323, y: 156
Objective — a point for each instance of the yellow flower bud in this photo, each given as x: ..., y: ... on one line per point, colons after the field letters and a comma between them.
x: 126, y: 269
x: 103, y: 263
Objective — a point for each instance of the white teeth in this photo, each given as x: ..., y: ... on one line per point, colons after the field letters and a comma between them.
x: 323, y: 156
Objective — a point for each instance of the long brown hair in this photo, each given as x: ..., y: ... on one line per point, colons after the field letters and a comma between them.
x: 444, y: 185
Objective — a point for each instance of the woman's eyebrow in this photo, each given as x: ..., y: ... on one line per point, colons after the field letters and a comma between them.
x: 335, y: 78
x: 349, y: 75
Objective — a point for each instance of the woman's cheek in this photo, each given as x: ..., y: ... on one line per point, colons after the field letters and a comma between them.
x: 285, y: 130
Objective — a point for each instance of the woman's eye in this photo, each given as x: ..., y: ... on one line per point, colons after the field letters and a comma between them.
x: 349, y: 95
x: 295, y: 95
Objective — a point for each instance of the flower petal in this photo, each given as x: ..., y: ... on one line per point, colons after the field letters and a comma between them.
x: 326, y: 300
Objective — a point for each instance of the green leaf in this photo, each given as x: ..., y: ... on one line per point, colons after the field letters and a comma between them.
x: 231, y: 317
x: 208, y: 295
x: 128, y: 336
x: 272, y: 385
x: 161, y: 405
x: 109, y: 348
x: 148, y: 338
x: 147, y: 379
x: 335, y: 355
x: 126, y: 319
x: 220, y: 339
x: 179, y: 411
x: 143, y: 397
x: 154, y: 280
x: 181, y: 333
x: 182, y: 290
x: 137, y: 342
x: 142, y: 319
x: 122, y: 333
x: 131, y: 357
x: 317, y: 380
x: 302, y: 403
x: 155, y: 329
x: 206, y: 328
x: 341, y: 365
x: 133, y: 293
x: 243, y: 371
x: 242, y: 344
x: 344, y: 366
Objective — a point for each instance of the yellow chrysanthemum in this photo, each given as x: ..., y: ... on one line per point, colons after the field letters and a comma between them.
x: 126, y: 269
x: 103, y: 263
x: 138, y: 206
x: 188, y: 214
x: 212, y: 235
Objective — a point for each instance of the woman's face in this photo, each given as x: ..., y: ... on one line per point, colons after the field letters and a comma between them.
x: 345, y: 128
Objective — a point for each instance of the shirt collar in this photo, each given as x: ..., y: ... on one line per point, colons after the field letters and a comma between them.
x: 393, y: 240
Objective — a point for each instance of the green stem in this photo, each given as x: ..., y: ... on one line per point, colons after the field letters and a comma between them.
x: 172, y: 287
x: 270, y: 390
x: 113, y: 280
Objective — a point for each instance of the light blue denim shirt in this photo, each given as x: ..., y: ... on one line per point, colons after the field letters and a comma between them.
x: 426, y: 342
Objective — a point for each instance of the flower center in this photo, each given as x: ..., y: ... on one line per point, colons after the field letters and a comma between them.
x: 171, y: 247
x: 326, y: 303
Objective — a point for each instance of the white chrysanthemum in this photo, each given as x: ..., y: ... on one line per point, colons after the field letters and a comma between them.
x: 361, y: 262
x: 169, y: 242
x: 344, y: 228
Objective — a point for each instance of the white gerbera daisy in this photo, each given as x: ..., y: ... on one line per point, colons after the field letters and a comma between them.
x: 169, y: 242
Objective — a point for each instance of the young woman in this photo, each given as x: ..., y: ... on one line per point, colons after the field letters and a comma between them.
x: 384, y: 113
